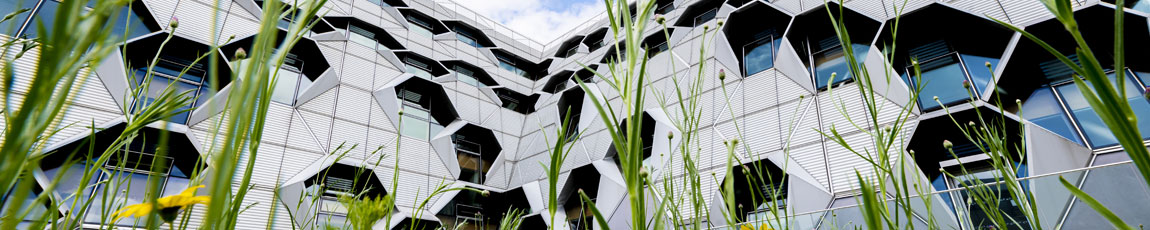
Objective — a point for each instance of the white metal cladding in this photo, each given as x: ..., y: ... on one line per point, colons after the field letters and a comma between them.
x: 767, y: 106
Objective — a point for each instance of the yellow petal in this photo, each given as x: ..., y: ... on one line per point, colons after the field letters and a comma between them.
x: 191, y: 191
x: 137, y: 210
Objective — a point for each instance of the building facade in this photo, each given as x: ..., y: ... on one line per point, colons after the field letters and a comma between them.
x: 480, y: 103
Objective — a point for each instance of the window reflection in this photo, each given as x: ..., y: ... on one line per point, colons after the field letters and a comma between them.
x: 1091, y: 124
x: 759, y: 55
x: 833, y: 60
x: 1043, y: 109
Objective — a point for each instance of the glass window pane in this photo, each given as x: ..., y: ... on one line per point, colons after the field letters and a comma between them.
x: 125, y: 188
x: 976, y: 66
x: 941, y: 77
x: 759, y: 55
x: 127, y: 21
x: 833, y: 61
x: 1145, y: 77
x: 419, y: 30
x: 286, y: 86
x: 1097, y: 131
x: 414, y: 127
x: 363, y: 37
x: 467, y: 40
x: 9, y: 27
x: 1043, y: 109
x: 46, y: 15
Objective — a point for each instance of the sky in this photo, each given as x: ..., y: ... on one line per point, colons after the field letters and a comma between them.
x: 541, y: 20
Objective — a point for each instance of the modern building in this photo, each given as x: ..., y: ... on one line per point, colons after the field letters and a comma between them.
x: 480, y: 102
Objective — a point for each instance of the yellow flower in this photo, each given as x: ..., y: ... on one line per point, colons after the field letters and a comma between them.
x: 752, y: 227
x: 167, y: 206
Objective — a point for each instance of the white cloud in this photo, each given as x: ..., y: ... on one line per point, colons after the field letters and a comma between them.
x: 540, y: 20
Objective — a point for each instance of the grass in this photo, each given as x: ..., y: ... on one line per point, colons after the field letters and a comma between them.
x: 80, y: 38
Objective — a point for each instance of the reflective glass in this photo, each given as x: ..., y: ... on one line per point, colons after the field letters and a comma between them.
x: 34, y: 209
x: 1006, y: 204
x: 128, y: 21
x: 976, y: 67
x: 415, y: 128
x: 1089, y: 121
x: 469, y: 80
x: 363, y: 37
x: 46, y: 15
x: 1140, y: 5
x: 512, y: 68
x: 759, y: 55
x: 124, y: 188
x: 9, y: 27
x: 287, y: 83
x: 1145, y: 77
x: 467, y: 40
x: 834, y: 60
x: 421, y: 73
x: 419, y: 30
x: 941, y: 77
x: 1043, y: 109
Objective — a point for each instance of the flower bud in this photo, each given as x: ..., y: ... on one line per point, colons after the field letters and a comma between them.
x: 706, y: 27
x: 486, y: 193
x: 241, y: 54
x: 966, y: 84
x: 401, y: 112
x: 1146, y: 93
x: 643, y: 172
x: 746, y: 170
x: 935, y: 98
x: 912, y: 152
x: 946, y: 144
x: 988, y: 64
x: 670, y: 135
x: 232, y: 37
x: 660, y: 19
x: 175, y: 22
x: 887, y: 128
x: 735, y: 141
x: 720, y: 23
x: 722, y: 74
x: 970, y: 123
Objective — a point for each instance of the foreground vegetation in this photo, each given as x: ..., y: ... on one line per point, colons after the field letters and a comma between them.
x: 82, y: 38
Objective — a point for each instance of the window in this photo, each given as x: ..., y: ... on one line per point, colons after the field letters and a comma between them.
x: 35, y: 210
x: 338, y: 181
x: 464, y: 35
x: 123, y: 179
x: 571, y: 51
x: 759, y: 55
x: 167, y: 72
x: 1044, y: 109
x: 509, y: 65
x: 656, y: 49
x: 515, y: 101
x: 571, y: 105
x: 833, y: 60
x: 943, y: 73
x: 363, y: 37
x: 417, y: 68
x: 417, y: 121
x: 467, y: 76
x: 1090, y: 124
x: 473, y: 167
x: 291, y: 80
x: 1006, y: 204
x: 419, y: 26
x: 665, y: 7
x: 580, y: 216
x: 127, y: 23
x: 706, y: 16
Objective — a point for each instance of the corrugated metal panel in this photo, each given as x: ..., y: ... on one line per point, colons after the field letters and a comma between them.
x: 379, y: 137
x: 361, y: 51
x: 324, y: 103
x: 384, y: 73
x: 333, y: 53
x: 804, y: 129
x: 512, y: 122
x: 350, y: 135
x: 162, y: 10
x: 788, y: 89
x: 791, y: 6
x: 294, y: 161
x: 353, y: 105
x: 844, y: 163
x: 875, y: 9
x: 989, y: 8
x: 843, y: 100
x: 239, y: 23
x: 1023, y: 12
x: 276, y: 123
x: 200, y: 29
x: 81, y: 119
x: 301, y: 137
x: 812, y: 159
x: 355, y: 74
x: 760, y: 91
x: 468, y: 108
x: 762, y: 129
x: 378, y: 118
x: 320, y: 126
